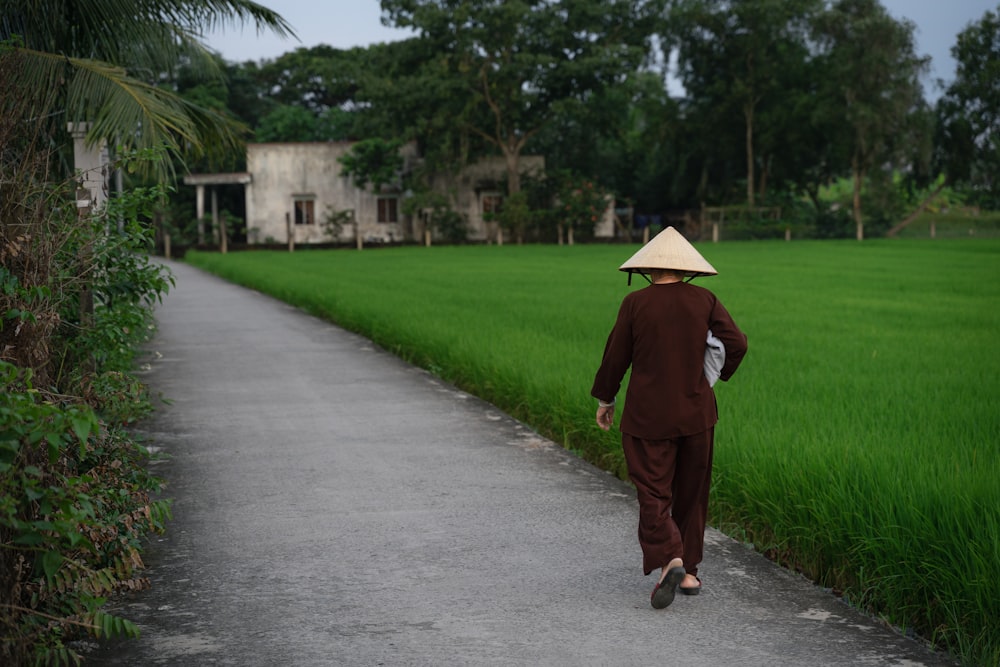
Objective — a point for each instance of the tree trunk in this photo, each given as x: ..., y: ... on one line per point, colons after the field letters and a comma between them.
x: 858, y: 177
x: 748, y: 116
x: 765, y: 170
x: 512, y: 155
x: 920, y: 209
x: 703, y: 182
x: 813, y: 193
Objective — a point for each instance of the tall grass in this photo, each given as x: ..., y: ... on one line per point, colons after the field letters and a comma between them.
x: 859, y: 442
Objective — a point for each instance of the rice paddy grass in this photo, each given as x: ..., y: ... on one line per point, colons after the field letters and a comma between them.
x: 858, y: 443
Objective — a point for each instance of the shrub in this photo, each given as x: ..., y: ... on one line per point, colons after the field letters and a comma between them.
x: 74, y: 506
x: 76, y: 299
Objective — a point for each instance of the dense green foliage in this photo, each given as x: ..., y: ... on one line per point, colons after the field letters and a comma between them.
x: 857, y: 443
x: 967, y: 147
x: 75, y: 498
x: 373, y: 161
x: 668, y: 105
x: 75, y: 505
x: 870, y: 60
x: 521, y: 63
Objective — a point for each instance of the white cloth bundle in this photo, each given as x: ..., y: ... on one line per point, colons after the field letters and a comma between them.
x: 715, y: 357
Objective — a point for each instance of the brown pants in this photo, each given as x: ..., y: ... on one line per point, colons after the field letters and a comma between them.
x: 672, y: 480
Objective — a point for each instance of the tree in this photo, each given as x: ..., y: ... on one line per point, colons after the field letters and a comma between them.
x: 970, y: 108
x: 812, y: 131
x: 522, y: 63
x: 317, y: 78
x: 581, y: 204
x: 246, y: 93
x: 874, y: 74
x: 407, y: 93
x: 288, y: 123
x: 622, y: 138
x: 966, y: 146
x: 645, y: 149
x: 968, y: 149
x: 375, y: 161
x: 436, y: 212
x: 98, y: 61
x: 736, y: 57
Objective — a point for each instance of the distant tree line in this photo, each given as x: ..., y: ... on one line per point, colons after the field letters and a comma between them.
x: 777, y: 99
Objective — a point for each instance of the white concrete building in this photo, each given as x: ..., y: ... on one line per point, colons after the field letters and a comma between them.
x: 298, y: 185
x: 295, y: 188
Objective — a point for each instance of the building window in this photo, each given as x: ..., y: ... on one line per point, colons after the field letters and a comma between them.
x: 491, y: 203
x: 305, y: 211
x: 387, y: 209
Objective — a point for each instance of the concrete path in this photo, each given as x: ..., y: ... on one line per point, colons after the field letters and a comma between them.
x: 335, y: 506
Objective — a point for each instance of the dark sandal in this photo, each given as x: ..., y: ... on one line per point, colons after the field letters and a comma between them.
x: 691, y: 590
x: 663, y: 594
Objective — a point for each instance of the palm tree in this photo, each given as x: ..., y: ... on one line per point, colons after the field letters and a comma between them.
x: 100, y: 62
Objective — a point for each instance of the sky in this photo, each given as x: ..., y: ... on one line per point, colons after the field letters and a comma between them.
x: 347, y: 23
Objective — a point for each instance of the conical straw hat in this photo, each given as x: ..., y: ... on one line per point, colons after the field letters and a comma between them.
x: 669, y: 250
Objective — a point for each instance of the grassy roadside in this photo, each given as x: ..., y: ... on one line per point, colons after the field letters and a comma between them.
x: 859, y: 443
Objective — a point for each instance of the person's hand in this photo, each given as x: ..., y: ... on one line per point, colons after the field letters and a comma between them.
x: 606, y: 417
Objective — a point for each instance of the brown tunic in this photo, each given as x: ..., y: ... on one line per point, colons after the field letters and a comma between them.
x: 660, y: 332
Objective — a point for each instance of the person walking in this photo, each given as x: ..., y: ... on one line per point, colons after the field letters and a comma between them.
x: 678, y: 338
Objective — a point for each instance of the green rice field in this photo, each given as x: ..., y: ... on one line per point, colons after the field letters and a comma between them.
x: 858, y: 443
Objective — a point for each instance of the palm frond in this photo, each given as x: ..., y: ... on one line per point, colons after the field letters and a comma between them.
x: 103, y: 58
x: 145, y: 36
x: 133, y: 113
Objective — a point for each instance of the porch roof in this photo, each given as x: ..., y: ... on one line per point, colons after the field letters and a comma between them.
x: 238, y: 178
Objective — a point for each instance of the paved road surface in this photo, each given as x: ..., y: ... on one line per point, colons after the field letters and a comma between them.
x: 335, y: 506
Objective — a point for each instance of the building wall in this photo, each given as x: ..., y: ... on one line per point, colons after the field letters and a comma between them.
x: 91, y: 164
x: 605, y: 227
x: 284, y: 173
